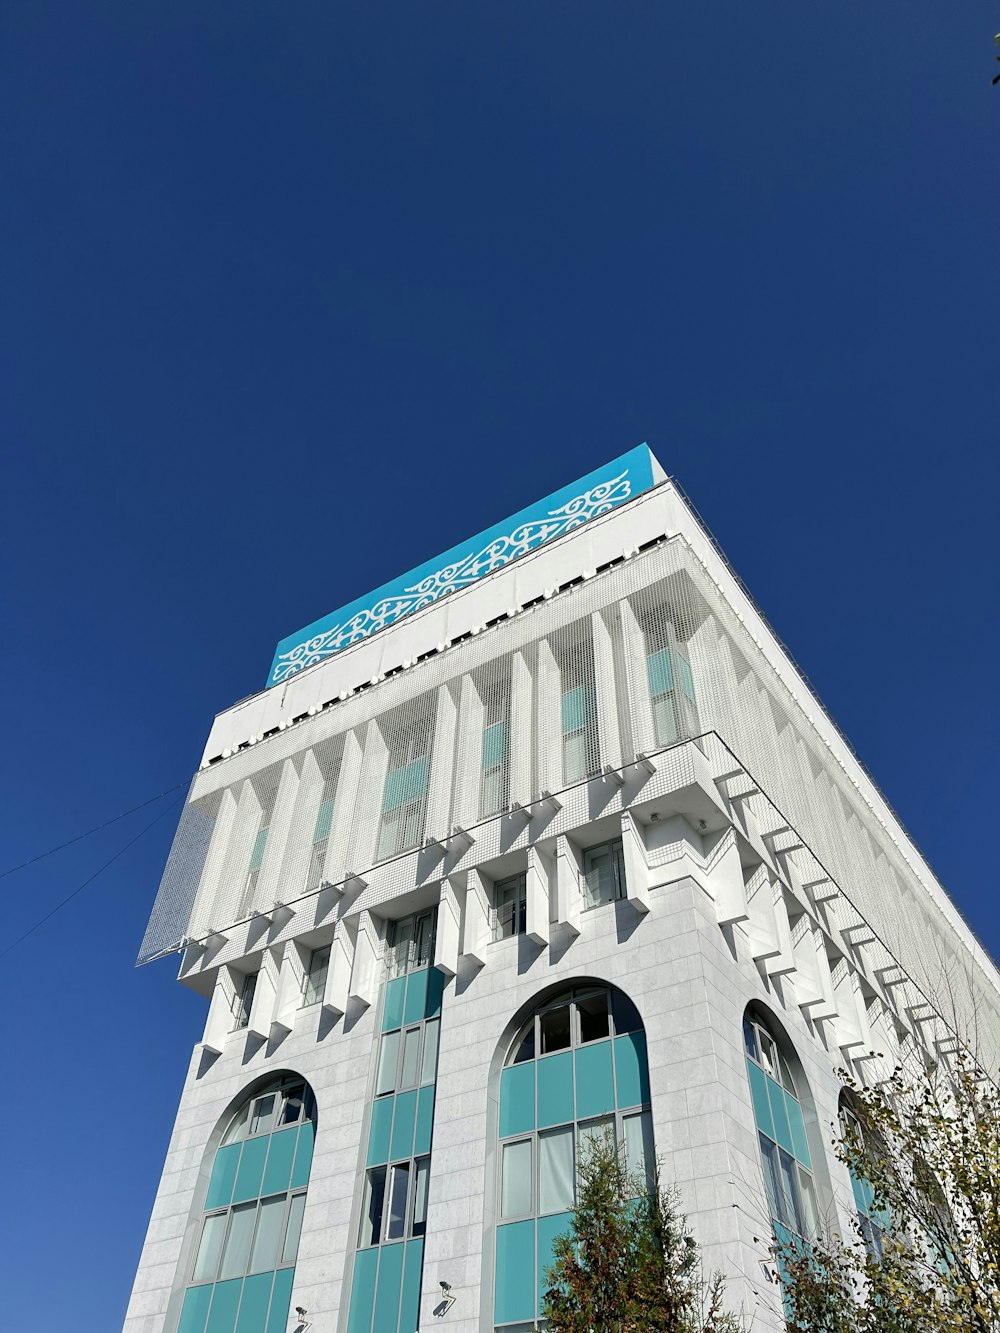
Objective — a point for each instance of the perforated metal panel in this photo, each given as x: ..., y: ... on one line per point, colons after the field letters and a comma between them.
x: 627, y: 662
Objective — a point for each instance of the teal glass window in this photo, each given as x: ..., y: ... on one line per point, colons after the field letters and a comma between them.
x: 494, y: 793
x: 314, y: 979
x: 388, y: 1263
x: 320, y: 838
x: 253, y: 872
x: 411, y: 943
x: 781, y: 1136
x: 579, y: 732
x: 243, y: 1267
x: 243, y: 1001
x: 668, y: 675
x: 576, y: 1070
x: 510, y: 897
x: 604, y: 873
x: 405, y: 791
x: 873, y: 1222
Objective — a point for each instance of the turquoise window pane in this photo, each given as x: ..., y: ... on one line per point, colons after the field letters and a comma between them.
x: 257, y: 859
x: 758, y: 1092
x: 281, y: 1298
x: 303, y: 1155
x: 631, y: 1069
x: 595, y: 1091
x: 574, y: 710
x: 281, y: 1154
x: 416, y: 996
x: 782, y: 1129
x: 363, y: 1291
x: 435, y: 991
x: 220, y: 1188
x: 378, y: 1133
x: 251, y: 1172
x: 195, y: 1310
x: 514, y: 1289
x: 405, y: 784
x: 661, y: 676
x: 323, y: 821
x: 402, y: 1125
x: 253, y: 1306
x: 555, y: 1089
x: 392, y: 1014
x: 409, y: 1305
x: 425, y: 1121
x: 517, y: 1099
x: 687, y: 681
x: 494, y: 744
x: 800, y: 1144
x: 860, y: 1199
x: 225, y: 1303
x: 548, y: 1229
x: 388, y: 1288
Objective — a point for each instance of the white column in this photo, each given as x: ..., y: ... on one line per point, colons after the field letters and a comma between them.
x: 264, y: 995
x: 569, y: 895
x: 298, y: 848
x: 236, y: 866
x: 342, y: 826
x: 447, y: 936
x: 475, y: 919
x: 204, y: 911
x: 725, y: 880
x: 636, y: 864
x: 813, y: 983
x: 469, y: 755
x: 609, y: 736
x: 520, y: 750
x: 289, y: 997
x: 220, y: 1019
x: 537, y: 895
x: 640, y: 704
x: 269, y: 882
x: 784, y: 962
x: 366, y: 966
x: 368, y: 809
x: 762, y: 931
x: 437, y: 823
x: 548, y: 720
x: 338, y: 976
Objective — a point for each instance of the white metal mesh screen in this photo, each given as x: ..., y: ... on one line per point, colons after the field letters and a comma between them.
x: 628, y: 662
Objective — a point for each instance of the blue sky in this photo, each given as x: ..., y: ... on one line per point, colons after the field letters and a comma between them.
x: 295, y: 296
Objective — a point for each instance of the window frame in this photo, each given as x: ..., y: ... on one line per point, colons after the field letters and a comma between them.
x: 422, y: 1081
x: 616, y: 849
x: 310, y: 988
x: 413, y: 1167
x: 517, y: 885
x: 763, y: 1048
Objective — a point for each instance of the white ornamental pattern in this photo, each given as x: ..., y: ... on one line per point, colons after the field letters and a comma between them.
x: 525, y: 537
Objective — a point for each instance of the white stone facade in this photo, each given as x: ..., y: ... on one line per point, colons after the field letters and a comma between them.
x: 761, y: 864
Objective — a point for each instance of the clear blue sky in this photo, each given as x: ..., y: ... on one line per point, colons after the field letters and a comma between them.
x: 296, y: 295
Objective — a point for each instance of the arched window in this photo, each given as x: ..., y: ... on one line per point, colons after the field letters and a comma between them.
x: 576, y: 1068
x: 872, y: 1222
x: 781, y: 1134
x: 249, y: 1236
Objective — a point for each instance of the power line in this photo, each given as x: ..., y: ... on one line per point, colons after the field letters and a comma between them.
x: 96, y: 829
x: 90, y: 878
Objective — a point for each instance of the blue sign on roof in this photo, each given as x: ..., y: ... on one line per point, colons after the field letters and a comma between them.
x: 561, y: 512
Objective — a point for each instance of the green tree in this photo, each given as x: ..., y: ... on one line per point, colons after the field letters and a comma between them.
x: 628, y: 1262
x: 928, y: 1149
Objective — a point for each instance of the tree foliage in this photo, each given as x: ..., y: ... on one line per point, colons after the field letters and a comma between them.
x: 929, y: 1148
x: 628, y: 1262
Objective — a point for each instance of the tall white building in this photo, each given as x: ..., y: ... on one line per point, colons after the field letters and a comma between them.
x: 547, y: 835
